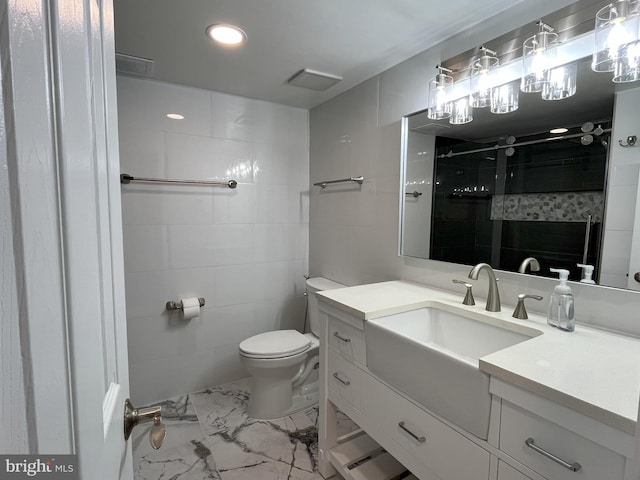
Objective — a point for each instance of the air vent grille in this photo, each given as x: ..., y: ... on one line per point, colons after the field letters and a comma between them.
x: 430, y: 128
x: 130, y: 65
x: 313, y: 80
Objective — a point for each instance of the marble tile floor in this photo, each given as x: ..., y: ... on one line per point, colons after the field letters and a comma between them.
x: 210, y: 436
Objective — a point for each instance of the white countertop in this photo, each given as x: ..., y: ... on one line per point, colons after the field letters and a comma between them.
x: 594, y: 372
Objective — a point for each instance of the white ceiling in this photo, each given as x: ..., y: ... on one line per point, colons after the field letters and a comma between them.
x: 354, y: 39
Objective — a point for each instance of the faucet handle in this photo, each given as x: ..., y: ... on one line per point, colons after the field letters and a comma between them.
x: 520, y: 311
x: 468, y: 298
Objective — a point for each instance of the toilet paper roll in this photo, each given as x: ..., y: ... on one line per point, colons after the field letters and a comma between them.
x: 190, y: 307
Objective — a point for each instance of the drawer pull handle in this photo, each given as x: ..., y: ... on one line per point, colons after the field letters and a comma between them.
x: 574, y: 467
x: 344, y: 382
x: 420, y: 439
x: 340, y: 337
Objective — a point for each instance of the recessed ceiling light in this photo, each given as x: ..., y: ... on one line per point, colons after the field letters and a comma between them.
x: 559, y: 130
x: 175, y: 116
x: 226, y: 34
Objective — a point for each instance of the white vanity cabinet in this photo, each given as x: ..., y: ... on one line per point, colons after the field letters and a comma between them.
x: 531, y: 437
x: 416, y: 439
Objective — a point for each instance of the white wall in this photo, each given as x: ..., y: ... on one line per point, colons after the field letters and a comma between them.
x: 353, y: 234
x: 243, y: 250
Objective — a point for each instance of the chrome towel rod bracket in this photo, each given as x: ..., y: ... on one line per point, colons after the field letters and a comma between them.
x: 358, y: 180
x: 414, y: 194
x: 126, y: 179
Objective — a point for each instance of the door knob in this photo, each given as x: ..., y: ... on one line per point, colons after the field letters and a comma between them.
x: 135, y: 416
x: 636, y: 277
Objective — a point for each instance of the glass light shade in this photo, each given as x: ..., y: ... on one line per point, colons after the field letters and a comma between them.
x: 461, y: 111
x: 538, y: 55
x: 504, y: 99
x: 481, y: 81
x: 627, y: 66
x: 439, y: 92
x: 616, y: 27
x: 561, y: 82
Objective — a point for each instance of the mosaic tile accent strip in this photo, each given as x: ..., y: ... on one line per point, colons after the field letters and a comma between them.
x: 548, y: 207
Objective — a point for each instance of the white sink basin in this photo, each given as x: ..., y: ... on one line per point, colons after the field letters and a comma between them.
x: 431, y: 354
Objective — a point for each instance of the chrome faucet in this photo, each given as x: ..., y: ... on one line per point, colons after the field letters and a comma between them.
x: 493, y: 297
x: 529, y: 262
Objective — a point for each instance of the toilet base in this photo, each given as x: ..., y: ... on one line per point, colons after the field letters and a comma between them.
x: 303, y: 397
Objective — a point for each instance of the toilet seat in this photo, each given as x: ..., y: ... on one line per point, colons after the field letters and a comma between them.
x: 276, y: 344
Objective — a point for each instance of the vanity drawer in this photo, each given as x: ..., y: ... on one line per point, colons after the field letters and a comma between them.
x: 507, y: 472
x: 347, y: 340
x: 438, y: 448
x: 519, y: 427
x: 344, y: 381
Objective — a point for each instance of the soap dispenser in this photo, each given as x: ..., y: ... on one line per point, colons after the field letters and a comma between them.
x: 587, y: 271
x: 561, y: 304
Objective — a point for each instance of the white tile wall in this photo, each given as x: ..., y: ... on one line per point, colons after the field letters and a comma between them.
x: 354, y: 232
x: 624, y: 164
x: 243, y: 250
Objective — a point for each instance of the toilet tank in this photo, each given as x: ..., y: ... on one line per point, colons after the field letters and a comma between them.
x: 317, y: 284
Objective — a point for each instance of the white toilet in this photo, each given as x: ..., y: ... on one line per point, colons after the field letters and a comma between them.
x: 284, y: 364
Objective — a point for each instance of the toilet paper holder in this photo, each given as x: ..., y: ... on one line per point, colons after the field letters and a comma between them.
x: 173, y: 305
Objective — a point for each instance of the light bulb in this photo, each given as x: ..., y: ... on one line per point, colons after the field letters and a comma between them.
x: 618, y: 36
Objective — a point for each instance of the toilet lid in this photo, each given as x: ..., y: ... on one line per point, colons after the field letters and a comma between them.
x: 280, y: 343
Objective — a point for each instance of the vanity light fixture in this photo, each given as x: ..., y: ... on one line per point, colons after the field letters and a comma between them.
x: 439, y: 90
x: 226, y: 34
x: 545, y: 67
x: 538, y: 55
x: 481, y: 70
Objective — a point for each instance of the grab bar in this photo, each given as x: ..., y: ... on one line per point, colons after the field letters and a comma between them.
x: 587, y: 237
x: 358, y: 180
x: 126, y: 179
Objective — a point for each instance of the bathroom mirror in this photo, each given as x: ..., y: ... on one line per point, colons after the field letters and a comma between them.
x: 503, y: 188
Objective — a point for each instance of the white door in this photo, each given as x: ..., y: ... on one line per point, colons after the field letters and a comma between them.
x: 62, y: 119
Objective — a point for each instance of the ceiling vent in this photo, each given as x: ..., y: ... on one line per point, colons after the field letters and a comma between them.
x: 313, y: 80
x: 429, y: 128
x: 130, y: 65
